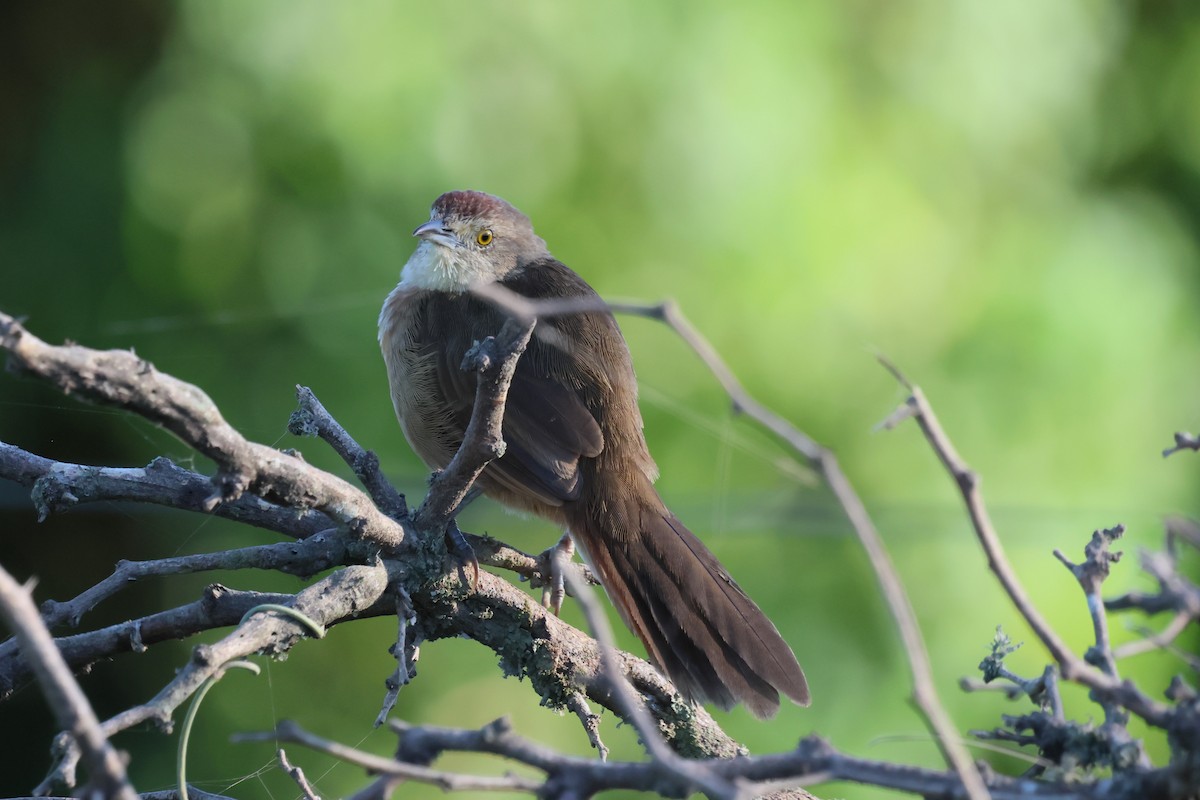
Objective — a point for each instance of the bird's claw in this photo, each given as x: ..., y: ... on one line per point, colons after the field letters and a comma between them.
x: 458, y: 547
x: 555, y: 560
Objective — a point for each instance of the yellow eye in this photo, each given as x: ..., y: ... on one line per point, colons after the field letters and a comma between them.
x: 484, y: 237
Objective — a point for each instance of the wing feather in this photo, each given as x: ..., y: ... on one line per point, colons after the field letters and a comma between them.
x: 549, y: 421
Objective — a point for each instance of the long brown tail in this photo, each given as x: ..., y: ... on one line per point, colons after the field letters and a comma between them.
x: 698, y: 625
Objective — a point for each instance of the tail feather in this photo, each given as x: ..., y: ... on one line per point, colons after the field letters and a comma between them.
x: 696, y: 622
x: 677, y: 626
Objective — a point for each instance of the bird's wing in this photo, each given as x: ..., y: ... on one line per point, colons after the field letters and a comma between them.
x: 547, y: 429
x: 547, y: 426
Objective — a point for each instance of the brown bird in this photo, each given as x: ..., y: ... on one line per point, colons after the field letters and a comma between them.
x: 575, y: 452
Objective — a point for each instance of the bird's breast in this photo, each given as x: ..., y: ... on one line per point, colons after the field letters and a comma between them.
x: 412, y: 376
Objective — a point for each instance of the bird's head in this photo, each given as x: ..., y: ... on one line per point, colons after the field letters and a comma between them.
x: 471, y: 238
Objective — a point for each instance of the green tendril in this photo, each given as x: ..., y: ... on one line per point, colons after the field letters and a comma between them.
x: 185, y: 732
x: 316, y: 628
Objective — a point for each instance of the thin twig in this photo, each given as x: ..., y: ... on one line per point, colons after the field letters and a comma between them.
x: 305, y: 559
x: 1072, y: 667
x: 297, y: 775
x: 1091, y: 574
x: 312, y: 419
x: 1182, y: 529
x: 173, y: 794
x: 1183, y: 441
x: 689, y: 772
x: 405, y: 651
x: 1156, y: 641
x: 495, y: 553
x: 820, y: 459
x: 288, y: 731
x: 578, y: 705
x: 496, y: 361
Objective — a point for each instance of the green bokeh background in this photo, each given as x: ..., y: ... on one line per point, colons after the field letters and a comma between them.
x: 1002, y: 197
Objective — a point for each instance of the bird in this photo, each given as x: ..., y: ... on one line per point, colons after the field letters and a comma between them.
x: 575, y: 451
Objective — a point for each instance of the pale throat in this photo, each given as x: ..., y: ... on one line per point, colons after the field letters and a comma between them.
x: 438, y: 268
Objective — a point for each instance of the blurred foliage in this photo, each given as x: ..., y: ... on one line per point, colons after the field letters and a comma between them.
x: 1003, y: 197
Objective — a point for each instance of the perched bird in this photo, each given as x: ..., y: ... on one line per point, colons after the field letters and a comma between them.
x: 575, y: 450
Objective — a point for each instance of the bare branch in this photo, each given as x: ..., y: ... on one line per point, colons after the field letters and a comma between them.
x: 813, y: 760
x: 339, y: 596
x: 70, y: 706
x: 560, y: 660
x: 567, y: 668
x: 60, y: 486
x: 219, y: 607
x: 1175, y: 593
x: 120, y: 378
x: 288, y: 731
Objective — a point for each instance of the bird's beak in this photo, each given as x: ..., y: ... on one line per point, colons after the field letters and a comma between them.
x: 436, y: 231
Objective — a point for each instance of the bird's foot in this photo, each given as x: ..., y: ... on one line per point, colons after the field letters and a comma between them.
x: 458, y: 547
x: 554, y: 561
